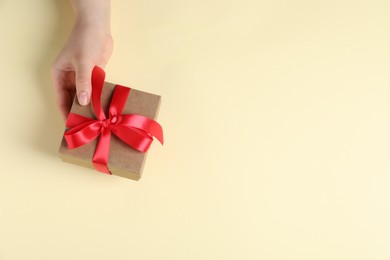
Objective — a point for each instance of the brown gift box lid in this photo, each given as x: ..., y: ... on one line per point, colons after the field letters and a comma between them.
x: 123, y: 160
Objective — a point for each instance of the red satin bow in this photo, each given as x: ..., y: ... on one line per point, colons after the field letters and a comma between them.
x: 135, y: 130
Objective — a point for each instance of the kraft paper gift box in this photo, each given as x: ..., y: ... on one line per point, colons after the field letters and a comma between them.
x: 123, y: 160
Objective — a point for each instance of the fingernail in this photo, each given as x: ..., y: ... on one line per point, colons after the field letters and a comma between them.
x: 83, y: 98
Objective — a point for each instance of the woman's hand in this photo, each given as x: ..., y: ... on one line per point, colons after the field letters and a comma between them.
x: 90, y: 44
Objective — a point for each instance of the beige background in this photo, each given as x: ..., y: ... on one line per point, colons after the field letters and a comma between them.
x: 277, y: 130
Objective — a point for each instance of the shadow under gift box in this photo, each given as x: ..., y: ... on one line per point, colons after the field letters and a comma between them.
x: 123, y: 160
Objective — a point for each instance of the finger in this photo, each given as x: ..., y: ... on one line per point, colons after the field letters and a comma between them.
x: 66, y: 103
x: 62, y: 81
x: 83, y: 82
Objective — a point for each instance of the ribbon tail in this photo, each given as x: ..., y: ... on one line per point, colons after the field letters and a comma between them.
x: 100, y: 157
x: 118, y: 100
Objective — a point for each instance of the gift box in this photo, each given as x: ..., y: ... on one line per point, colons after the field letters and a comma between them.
x: 113, y: 133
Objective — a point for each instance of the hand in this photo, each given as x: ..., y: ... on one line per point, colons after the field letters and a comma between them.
x: 90, y: 44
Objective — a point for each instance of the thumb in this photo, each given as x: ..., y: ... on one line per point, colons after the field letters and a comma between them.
x: 83, y: 83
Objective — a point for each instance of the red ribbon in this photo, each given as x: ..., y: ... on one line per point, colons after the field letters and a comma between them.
x: 135, y: 130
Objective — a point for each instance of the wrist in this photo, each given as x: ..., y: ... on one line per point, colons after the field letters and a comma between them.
x: 92, y: 14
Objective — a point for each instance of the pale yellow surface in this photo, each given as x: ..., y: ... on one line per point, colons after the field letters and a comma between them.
x: 276, y: 118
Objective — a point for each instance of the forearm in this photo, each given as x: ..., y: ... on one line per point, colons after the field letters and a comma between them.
x: 92, y: 13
